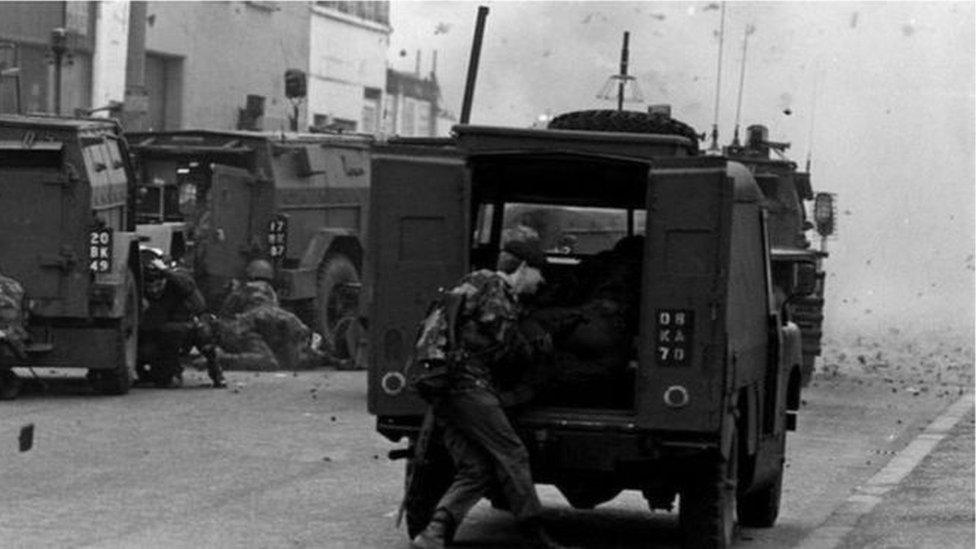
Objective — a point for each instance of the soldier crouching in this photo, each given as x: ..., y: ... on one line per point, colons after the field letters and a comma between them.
x: 255, y: 333
x: 172, y: 324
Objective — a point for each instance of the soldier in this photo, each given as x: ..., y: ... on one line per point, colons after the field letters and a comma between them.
x: 256, y: 333
x: 171, y: 322
x: 477, y: 433
x: 256, y: 290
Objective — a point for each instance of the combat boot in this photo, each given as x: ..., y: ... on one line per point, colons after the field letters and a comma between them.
x: 437, y: 534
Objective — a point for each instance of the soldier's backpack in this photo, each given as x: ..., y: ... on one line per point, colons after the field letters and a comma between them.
x: 436, y: 354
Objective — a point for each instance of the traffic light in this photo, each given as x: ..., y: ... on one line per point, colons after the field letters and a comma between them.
x: 296, y: 84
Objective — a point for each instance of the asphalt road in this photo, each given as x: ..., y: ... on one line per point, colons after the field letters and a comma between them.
x: 283, y: 460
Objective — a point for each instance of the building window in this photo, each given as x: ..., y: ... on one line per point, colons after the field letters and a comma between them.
x: 407, y: 127
x: 369, y: 117
x: 423, y: 118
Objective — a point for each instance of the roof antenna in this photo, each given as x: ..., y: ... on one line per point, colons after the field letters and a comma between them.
x: 813, y: 113
x: 718, y: 79
x: 742, y: 78
x: 616, y: 86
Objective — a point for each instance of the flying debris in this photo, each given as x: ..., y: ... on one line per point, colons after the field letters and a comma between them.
x: 442, y: 28
x: 713, y: 6
x: 659, y: 16
x: 908, y: 29
x: 854, y: 17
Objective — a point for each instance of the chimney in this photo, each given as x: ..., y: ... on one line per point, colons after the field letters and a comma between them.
x: 416, y: 69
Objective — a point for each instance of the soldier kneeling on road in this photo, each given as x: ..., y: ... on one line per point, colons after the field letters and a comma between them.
x: 173, y: 321
x: 255, y: 333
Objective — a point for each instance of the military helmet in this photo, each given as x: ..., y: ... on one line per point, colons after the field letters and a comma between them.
x: 150, y: 258
x: 259, y: 269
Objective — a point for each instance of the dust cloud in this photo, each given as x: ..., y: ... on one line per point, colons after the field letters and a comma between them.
x: 879, y: 95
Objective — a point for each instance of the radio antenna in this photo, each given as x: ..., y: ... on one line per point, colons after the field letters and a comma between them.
x: 742, y: 79
x: 813, y: 113
x: 718, y: 79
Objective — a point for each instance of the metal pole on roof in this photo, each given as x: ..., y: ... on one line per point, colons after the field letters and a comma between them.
x: 624, y: 55
x: 479, y: 32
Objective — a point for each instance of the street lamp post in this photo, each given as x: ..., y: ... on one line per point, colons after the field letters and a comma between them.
x: 59, y: 51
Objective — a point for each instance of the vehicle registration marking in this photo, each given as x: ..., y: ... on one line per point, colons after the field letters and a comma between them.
x: 673, y: 337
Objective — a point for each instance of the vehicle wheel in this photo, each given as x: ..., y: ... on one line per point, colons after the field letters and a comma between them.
x: 118, y: 380
x: 708, y: 502
x: 760, y: 508
x: 10, y: 384
x: 436, y: 477
x: 337, y: 305
x: 623, y: 121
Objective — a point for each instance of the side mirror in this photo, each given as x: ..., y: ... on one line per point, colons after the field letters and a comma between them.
x: 806, y: 279
x: 823, y: 213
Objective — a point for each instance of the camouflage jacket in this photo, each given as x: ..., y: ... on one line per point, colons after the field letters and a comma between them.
x: 11, y: 307
x: 487, y: 327
x: 248, y: 295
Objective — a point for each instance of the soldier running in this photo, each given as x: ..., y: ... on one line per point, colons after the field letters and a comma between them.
x: 482, y: 442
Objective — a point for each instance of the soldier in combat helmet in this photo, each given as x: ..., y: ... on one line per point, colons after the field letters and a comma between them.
x: 171, y: 322
x: 255, y: 333
x: 482, y: 442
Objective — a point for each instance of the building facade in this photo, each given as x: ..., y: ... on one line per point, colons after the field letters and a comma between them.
x: 221, y: 65
x: 412, y: 107
x: 216, y: 65
x: 347, y: 76
x: 29, y: 81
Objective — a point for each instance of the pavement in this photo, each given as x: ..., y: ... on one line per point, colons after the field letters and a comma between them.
x: 933, y: 506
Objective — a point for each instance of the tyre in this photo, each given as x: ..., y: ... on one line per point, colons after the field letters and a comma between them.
x: 118, y: 380
x: 623, y: 121
x: 10, y: 385
x: 708, y: 501
x: 337, y: 305
x: 759, y: 508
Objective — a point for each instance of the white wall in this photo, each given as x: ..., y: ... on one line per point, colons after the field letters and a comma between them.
x: 111, y: 46
x: 346, y: 55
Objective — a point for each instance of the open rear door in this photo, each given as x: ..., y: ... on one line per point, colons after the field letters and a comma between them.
x: 682, y: 333
x: 418, y: 242
x: 229, y: 206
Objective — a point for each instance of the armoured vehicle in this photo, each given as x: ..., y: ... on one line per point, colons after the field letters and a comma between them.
x: 66, y: 234
x: 218, y: 199
x: 786, y: 193
x: 684, y: 379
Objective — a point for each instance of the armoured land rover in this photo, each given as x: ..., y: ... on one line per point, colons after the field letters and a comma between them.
x: 683, y: 379
x: 786, y: 191
x: 66, y: 235
x: 218, y: 199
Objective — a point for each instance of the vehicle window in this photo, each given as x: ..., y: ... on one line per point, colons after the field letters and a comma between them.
x: 482, y: 226
x: 565, y: 230
x: 640, y: 221
x: 149, y: 203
